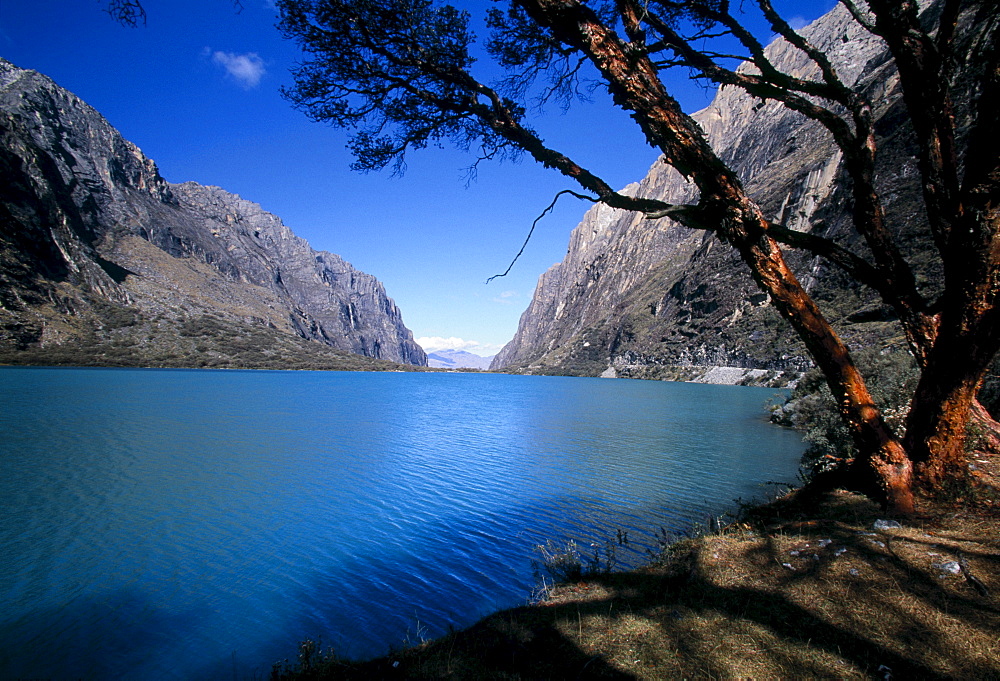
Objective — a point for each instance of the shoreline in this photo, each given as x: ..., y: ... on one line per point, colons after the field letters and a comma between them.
x: 832, y: 590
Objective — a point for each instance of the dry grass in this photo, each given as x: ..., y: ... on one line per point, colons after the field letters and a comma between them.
x: 789, y: 595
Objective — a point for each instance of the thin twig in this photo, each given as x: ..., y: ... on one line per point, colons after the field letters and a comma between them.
x: 970, y: 578
x: 533, y: 224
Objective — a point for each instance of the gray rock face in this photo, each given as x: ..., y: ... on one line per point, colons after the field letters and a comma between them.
x: 642, y: 295
x: 87, y: 221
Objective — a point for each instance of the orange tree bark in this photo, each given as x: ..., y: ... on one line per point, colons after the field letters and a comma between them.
x: 416, y: 84
x: 964, y: 218
x: 883, y: 468
x: 968, y: 337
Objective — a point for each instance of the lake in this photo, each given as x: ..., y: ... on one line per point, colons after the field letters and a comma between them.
x: 172, y: 524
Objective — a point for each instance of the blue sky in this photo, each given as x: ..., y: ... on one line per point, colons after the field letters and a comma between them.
x: 196, y: 89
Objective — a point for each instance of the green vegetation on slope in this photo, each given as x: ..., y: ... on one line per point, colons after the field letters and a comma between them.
x: 117, y: 336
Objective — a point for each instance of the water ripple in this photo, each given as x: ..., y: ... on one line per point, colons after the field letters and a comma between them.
x: 211, y: 512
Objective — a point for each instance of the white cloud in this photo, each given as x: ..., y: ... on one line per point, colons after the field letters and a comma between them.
x: 505, y: 298
x: 798, y: 22
x: 432, y: 343
x: 246, y: 69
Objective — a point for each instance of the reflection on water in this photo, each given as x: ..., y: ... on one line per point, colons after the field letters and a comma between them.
x: 189, y: 524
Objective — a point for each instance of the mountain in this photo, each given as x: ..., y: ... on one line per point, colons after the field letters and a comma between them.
x: 457, y: 359
x: 651, y: 299
x: 104, y: 262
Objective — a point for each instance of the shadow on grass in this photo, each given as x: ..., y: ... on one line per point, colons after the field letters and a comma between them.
x: 831, y: 599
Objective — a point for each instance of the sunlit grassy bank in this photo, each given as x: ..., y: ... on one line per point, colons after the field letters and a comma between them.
x: 825, y: 591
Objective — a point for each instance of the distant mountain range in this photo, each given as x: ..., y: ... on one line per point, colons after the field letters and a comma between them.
x: 457, y: 359
x: 103, y: 262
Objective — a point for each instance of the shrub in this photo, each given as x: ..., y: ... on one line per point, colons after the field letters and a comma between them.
x: 565, y: 563
x: 891, y: 377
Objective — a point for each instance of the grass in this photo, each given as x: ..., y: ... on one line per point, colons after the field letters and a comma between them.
x: 789, y: 592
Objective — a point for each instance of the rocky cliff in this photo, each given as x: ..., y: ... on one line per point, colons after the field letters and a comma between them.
x: 646, y: 298
x: 99, y: 254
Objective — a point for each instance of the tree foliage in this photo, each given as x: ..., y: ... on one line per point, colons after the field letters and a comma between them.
x: 132, y: 13
x: 402, y: 74
x: 397, y: 73
x: 126, y: 12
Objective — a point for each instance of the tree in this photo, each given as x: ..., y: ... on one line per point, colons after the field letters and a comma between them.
x: 400, y: 73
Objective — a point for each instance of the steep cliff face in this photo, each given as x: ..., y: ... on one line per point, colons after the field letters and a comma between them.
x: 648, y: 297
x: 97, y: 250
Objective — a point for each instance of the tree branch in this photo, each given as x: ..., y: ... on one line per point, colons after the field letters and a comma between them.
x: 128, y: 13
x: 926, y: 91
x: 891, y: 276
x: 854, y: 265
x: 782, y: 28
x: 860, y: 16
x: 535, y: 223
x: 947, y: 25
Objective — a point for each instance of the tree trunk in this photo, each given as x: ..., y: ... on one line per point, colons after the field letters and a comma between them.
x: 945, y: 398
x: 883, y: 469
x: 986, y: 429
x: 939, y: 417
x: 965, y: 220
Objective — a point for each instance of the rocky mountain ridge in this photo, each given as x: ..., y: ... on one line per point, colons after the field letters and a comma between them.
x: 649, y: 298
x: 457, y: 359
x: 99, y: 253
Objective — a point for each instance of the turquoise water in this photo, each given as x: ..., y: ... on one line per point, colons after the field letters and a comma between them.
x: 168, y: 524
